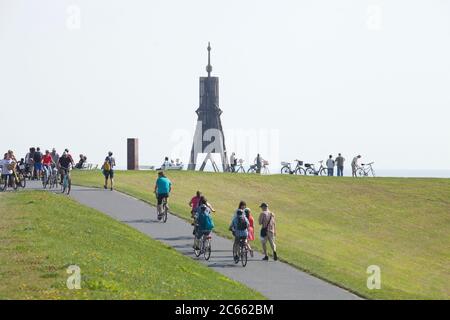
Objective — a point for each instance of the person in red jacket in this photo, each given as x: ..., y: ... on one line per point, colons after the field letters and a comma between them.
x: 47, y: 162
x: 251, y: 229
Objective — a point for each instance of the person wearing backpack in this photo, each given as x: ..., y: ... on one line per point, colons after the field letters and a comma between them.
x: 239, y: 228
x: 108, y: 170
x: 267, y: 222
x: 204, y: 223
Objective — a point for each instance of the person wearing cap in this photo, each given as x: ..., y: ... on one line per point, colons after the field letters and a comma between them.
x: 268, y: 232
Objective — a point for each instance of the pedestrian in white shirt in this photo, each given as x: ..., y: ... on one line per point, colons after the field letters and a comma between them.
x: 330, y: 166
x: 7, y: 170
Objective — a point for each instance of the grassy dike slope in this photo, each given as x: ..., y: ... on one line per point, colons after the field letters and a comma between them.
x: 41, y: 234
x: 333, y: 228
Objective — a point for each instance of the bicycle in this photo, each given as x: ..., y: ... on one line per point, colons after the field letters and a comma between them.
x: 240, y: 168
x: 242, y: 254
x: 164, y: 209
x: 205, y: 247
x: 365, y: 170
x: 311, y: 169
x: 66, y: 180
x: 46, y: 177
x: 287, y: 169
x: 53, y: 178
x: 20, y: 176
x: 5, y: 182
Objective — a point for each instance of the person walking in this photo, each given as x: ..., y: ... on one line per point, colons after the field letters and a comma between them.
x: 108, y: 170
x: 7, y: 165
x: 38, y: 162
x: 330, y: 166
x: 355, y: 165
x: 268, y: 232
x: 233, y: 162
x: 340, y: 165
x: 258, y: 163
x: 29, y: 162
x: 251, y: 229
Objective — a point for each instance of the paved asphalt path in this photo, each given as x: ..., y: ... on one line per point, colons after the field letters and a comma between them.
x: 274, y: 279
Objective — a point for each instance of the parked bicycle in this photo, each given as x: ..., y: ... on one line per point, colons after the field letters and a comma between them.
x: 365, y: 170
x: 287, y: 169
x: 205, y: 247
x: 311, y: 169
x: 240, y: 167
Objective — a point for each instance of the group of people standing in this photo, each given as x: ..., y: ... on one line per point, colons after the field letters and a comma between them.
x: 339, y: 164
x: 35, y: 163
x: 242, y: 225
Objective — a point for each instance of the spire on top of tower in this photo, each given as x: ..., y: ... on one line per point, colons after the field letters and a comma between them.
x: 209, y: 67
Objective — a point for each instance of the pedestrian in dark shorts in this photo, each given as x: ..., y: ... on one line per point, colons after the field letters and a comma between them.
x: 108, y: 170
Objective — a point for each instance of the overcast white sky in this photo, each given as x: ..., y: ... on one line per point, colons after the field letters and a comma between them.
x: 328, y: 76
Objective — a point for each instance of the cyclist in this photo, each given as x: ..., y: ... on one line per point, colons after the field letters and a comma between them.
x: 239, y: 228
x: 64, y: 164
x: 55, y: 156
x: 163, y: 187
x: 47, y: 162
x: 204, y: 223
x: 70, y: 156
x: 194, y: 203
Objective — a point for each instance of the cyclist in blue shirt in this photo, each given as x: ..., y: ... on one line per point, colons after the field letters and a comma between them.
x: 163, y: 187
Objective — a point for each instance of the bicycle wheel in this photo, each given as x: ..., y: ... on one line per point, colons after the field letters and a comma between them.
x: 300, y: 171
x: 165, y: 212
x: 197, y: 252
x: 310, y: 172
x: 243, y: 256
x: 207, y: 249
x: 324, y: 172
x: 251, y: 170
x: 236, y: 254
x: 22, y: 181
x: 285, y: 170
x: 69, y: 185
x: 360, y: 173
x: 241, y: 169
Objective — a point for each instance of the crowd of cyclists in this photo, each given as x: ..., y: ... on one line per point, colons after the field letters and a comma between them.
x: 36, y: 165
x: 242, y: 223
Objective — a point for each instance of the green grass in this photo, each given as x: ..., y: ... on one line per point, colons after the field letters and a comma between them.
x: 41, y: 234
x: 332, y: 227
